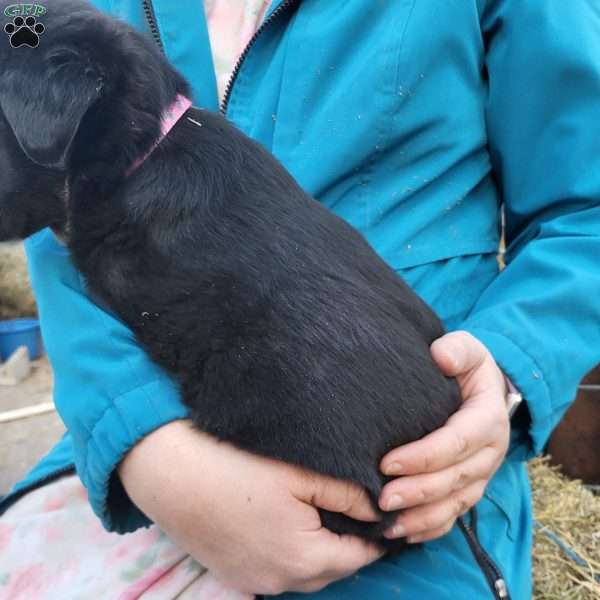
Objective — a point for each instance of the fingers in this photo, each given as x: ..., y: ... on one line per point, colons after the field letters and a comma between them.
x: 446, y: 472
x: 319, y: 559
x: 333, y: 557
x: 482, y: 419
x: 427, y: 519
x: 451, y: 444
x: 337, y: 496
x: 347, y: 555
x: 406, y: 492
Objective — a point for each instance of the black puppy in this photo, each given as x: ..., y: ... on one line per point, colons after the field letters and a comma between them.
x: 288, y: 335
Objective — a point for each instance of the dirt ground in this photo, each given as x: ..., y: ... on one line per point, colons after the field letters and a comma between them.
x: 24, y: 442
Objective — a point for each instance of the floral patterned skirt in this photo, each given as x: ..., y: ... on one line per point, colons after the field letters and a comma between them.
x: 52, y: 547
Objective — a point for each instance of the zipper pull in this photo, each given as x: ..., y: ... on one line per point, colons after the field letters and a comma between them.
x: 501, y: 588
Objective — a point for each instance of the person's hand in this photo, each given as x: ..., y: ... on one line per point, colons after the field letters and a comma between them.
x: 250, y: 520
x: 444, y: 474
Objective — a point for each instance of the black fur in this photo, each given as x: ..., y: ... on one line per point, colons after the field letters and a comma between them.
x: 288, y: 335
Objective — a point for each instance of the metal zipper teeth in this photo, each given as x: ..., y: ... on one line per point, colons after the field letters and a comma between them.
x: 285, y: 5
x: 151, y: 19
x: 493, y: 575
x: 12, y: 498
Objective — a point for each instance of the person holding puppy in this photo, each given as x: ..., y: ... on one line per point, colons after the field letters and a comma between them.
x: 415, y: 123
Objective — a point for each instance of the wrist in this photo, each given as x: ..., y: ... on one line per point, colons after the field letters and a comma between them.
x: 151, y: 467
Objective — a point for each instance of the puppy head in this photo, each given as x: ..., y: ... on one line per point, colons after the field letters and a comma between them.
x: 91, y: 84
x: 86, y: 100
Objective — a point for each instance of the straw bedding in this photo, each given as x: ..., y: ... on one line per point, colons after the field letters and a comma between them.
x: 570, y: 514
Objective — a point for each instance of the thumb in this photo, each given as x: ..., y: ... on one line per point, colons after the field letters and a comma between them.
x: 336, y: 495
x: 343, y: 555
x: 458, y: 352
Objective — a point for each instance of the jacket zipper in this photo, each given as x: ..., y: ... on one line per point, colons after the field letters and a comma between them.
x: 283, y: 7
x: 151, y: 19
x: 492, y: 573
x: 153, y: 25
x: 490, y: 570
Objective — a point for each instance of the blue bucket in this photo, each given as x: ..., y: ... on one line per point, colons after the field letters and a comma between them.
x: 20, y: 332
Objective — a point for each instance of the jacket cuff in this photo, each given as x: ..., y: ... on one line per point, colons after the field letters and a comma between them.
x: 125, y: 422
x: 530, y: 432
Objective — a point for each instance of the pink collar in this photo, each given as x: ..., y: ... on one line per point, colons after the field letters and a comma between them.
x: 170, y: 118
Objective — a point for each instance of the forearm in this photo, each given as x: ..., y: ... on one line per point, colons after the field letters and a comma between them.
x: 539, y: 317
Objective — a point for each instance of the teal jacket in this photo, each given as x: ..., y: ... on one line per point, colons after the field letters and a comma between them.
x: 415, y: 121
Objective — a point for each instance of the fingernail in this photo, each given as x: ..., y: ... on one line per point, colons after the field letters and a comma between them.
x: 414, y: 539
x: 394, y: 468
x: 395, y: 502
x: 396, y: 531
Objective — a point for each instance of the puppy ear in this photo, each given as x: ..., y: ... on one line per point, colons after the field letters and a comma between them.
x: 44, y: 103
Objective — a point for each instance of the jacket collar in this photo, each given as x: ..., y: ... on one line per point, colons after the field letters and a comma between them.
x: 184, y: 35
